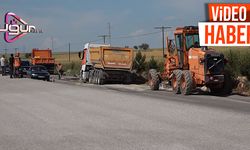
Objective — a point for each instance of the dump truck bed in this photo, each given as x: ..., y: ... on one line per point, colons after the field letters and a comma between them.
x: 43, y: 57
x: 41, y: 53
x: 111, y: 58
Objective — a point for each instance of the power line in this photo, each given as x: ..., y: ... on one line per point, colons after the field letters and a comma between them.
x: 134, y: 36
x: 118, y: 37
x: 127, y: 36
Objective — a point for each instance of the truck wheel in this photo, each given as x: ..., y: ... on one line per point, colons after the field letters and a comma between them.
x: 91, y: 74
x: 176, y: 81
x: 100, y: 78
x: 186, y: 82
x: 128, y: 79
x: 95, y: 76
x: 153, y: 79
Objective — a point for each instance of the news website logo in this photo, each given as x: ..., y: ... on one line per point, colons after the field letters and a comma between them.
x: 15, y: 28
x: 229, y: 25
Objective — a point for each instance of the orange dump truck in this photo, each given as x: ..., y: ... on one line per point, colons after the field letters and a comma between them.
x: 102, y: 63
x: 44, y: 58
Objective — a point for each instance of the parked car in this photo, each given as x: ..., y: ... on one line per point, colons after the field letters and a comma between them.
x: 38, y: 72
x: 25, y: 65
x: 7, y: 69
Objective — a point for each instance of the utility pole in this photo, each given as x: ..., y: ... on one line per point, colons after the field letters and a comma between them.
x: 52, y: 43
x: 109, y: 26
x: 16, y: 50
x: 69, y: 52
x: 162, y: 28
x: 5, y: 51
x: 104, y: 37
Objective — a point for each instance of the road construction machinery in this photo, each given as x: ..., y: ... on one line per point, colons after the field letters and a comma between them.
x: 102, y: 63
x: 188, y: 65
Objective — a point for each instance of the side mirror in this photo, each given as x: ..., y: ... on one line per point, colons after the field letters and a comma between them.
x: 80, y: 55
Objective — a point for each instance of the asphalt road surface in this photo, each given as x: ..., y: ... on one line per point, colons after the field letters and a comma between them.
x: 39, y: 115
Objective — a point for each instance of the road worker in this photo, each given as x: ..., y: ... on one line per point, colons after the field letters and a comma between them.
x: 17, y: 64
x: 59, y: 69
x: 3, y: 65
x: 11, y: 63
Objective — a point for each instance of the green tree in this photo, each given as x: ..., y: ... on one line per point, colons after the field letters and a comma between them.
x: 139, y: 63
x: 152, y: 64
x: 144, y: 46
x: 136, y: 47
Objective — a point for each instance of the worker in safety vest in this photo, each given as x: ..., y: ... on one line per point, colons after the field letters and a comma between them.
x: 17, y: 64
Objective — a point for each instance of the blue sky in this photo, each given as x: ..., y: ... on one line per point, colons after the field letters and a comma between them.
x: 81, y: 21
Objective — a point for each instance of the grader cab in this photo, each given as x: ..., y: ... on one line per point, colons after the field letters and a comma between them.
x: 188, y: 65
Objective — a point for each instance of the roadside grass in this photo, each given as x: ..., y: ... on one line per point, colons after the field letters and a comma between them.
x: 238, y: 59
x: 156, y: 53
x: 72, y: 68
x: 63, y: 57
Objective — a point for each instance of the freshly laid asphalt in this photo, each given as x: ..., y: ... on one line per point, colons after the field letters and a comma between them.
x: 40, y: 115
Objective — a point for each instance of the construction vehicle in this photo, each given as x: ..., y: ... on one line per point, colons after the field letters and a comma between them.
x: 188, y: 65
x: 44, y: 58
x: 102, y: 63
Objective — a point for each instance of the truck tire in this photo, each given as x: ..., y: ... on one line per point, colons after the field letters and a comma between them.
x: 91, y: 76
x: 100, y: 78
x: 153, y: 79
x: 95, y: 76
x: 127, y: 78
x: 186, y: 82
x: 176, y: 81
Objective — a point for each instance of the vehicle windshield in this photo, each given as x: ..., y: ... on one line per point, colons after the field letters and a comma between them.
x: 192, y: 40
x: 25, y: 63
x: 38, y: 68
